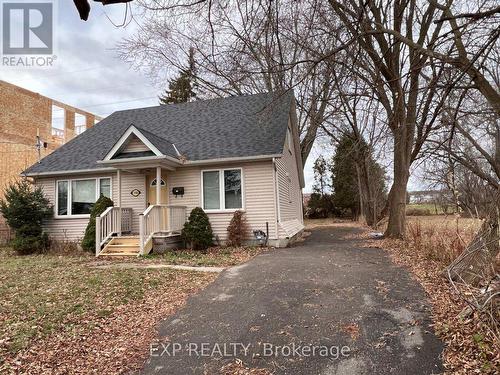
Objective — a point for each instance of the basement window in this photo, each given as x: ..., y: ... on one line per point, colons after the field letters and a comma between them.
x: 75, y: 198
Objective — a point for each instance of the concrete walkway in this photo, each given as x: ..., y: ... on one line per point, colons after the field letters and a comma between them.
x: 325, y: 306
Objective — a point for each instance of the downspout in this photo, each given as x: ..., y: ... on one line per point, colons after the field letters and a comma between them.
x: 276, y: 200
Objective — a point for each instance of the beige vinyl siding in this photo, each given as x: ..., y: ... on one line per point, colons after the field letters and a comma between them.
x: 134, y: 144
x: 131, y: 181
x: 289, y: 193
x: 258, y: 194
x: 67, y: 229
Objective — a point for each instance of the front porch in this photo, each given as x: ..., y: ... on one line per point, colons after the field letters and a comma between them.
x: 159, y: 223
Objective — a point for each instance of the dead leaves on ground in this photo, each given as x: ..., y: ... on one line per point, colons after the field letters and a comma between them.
x: 238, y: 368
x: 470, y: 348
x: 353, y: 330
x: 81, y: 320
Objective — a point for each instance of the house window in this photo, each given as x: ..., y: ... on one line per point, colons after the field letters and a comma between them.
x: 83, y: 196
x: 77, y: 197
x: 211, y: 190
x: 62, y: 198
x: 290, y: 139
x: 222, y: 189
x: 232, y: 189
x: 105, y: 187
x: 162, y: 183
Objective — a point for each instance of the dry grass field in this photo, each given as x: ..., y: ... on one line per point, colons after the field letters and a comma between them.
x: 440, y: 238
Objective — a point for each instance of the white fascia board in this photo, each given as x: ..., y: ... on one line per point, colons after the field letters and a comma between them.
x: 231, y: 160
x: 131, y: 130
x: 69, y: 172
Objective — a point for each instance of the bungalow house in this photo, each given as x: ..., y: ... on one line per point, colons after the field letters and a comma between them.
x: 158, y: 163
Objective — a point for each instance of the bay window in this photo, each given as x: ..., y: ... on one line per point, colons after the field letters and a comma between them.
x: 222, y: 189
x: 77, y: 197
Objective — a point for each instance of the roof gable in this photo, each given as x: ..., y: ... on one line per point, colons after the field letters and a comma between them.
x: 132, y: 134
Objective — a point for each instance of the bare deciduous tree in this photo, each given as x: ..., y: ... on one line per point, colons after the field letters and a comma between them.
x: 242, y: 48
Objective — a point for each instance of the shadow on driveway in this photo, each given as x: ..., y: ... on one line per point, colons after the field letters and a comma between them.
x: 356, y: 312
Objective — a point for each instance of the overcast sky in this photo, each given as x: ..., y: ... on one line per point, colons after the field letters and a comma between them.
x: 87, y: 72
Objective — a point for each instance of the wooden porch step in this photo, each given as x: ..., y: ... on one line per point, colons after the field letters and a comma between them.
x: 117, y: 254
x: 125, y: 243
x: 122, y: 246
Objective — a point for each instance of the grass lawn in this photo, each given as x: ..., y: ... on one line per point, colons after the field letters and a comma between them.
x: 58, y: 315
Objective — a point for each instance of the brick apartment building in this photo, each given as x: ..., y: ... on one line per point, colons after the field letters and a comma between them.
x: 24, y: 115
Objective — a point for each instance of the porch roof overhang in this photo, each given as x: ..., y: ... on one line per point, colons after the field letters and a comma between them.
x: 163, y: 161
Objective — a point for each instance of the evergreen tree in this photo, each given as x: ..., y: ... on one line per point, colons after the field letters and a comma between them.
x: 358, y: 181
x: 24, y: 208
x: 181, y: 88
x: 344, y: 178
x: 197, y: 231
x: 88, y: 242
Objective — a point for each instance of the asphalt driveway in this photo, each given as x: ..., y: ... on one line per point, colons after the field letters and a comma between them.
x: 324, y: 306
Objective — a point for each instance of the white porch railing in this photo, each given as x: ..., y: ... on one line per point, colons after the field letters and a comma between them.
x: 160, y: 218
x: 114, y: 220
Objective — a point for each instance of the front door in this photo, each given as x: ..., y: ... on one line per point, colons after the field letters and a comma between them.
x: 151, y: 181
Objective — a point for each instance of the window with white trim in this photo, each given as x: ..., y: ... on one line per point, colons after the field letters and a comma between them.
x: 290, y: 139
x: 222, y: 189
x: 76, y: 197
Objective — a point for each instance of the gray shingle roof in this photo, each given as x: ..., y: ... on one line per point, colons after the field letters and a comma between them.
x: 165, y: 146
x: 239, y: 126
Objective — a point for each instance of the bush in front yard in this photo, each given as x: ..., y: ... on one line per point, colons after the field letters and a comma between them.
x: 24, y: 209
x: 88, y: 242
x: 197, y: 231
x: 237, y: 229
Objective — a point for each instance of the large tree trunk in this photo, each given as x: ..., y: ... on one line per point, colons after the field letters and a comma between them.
x: 397, y: 198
